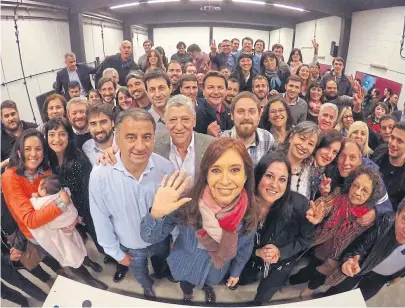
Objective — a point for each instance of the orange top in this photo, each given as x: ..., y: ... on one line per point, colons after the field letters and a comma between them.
x: 17, y: 192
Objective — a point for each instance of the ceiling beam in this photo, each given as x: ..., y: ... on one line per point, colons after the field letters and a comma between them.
x: 177, y: 17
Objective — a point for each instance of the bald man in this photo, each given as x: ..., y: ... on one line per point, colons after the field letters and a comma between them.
x: 122, y: 62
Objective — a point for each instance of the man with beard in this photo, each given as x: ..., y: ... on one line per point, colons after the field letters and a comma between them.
x: 174, y: 72
x: 11, y: 128
x: 245, y: 113
x: 106, y: 88
x: 261, y: 89
x: 231, y: 92
x: 137, y: 89
x: 391, y: 159
x: 350, y: 158
x: 77, y: 109
x: 376, y: 258
x: 331, y: 96
x: 101, y: 127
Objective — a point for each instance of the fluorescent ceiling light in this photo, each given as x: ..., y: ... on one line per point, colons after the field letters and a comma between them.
x: 206, y: 0
x: 290, y: 7
x: 162, y: 1
x: 124, y: 5
x: 250, y: 2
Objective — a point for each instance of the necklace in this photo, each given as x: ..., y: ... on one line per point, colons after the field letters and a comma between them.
x: 298, y: 172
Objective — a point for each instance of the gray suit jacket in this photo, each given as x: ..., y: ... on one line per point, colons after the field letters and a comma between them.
x: 201, y: 142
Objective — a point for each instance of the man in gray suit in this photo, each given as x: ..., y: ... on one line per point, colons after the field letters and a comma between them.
x: 182, y: 146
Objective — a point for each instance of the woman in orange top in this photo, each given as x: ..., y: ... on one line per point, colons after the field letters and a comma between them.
x: 28, y: 165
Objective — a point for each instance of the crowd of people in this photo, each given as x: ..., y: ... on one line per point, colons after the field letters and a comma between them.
x: 228, y: 167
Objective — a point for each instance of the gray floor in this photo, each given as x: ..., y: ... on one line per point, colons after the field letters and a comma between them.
x: 393, y: 296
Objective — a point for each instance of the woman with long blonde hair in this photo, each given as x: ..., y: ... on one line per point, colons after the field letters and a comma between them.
x: 345, y: 120
x: 359, y: 132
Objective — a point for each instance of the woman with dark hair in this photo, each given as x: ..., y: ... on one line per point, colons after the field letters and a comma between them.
x: 93, y: 97
x: 314, y: 98
x: 162, y: 53
x: 28, y: 166
x: 298, y: 147
x: 373, y: 121
x: 124, y: 99
x: 360, y: 193
x: 216, y: 227
x: 276, y: 118
x: 53, y: 107
x: 295, y: 58
x: 270, y: 68
x: 189, y: 68
x: 303, y: 72
x: 73, y: 168
x: 244, y: 72
x: 154, y: 62
x: 283, y: 230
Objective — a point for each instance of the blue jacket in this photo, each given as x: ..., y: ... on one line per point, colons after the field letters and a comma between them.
x: 188, y: 260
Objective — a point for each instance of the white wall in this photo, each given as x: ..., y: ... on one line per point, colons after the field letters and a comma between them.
x: 283, y: 36
x: 139, y: 35
x: 43, y: 44
x: 169, y: 37
x: 374, y: 38
x: 220, y: 33
x: 325, y: 30
x: 93, y: 42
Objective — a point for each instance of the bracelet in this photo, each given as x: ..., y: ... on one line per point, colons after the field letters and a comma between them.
x: 61, y: 205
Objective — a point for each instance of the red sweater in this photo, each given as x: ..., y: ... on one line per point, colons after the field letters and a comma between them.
x: 17, y: 192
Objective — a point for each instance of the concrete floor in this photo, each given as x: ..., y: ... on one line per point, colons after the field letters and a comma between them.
x: 393, y: 296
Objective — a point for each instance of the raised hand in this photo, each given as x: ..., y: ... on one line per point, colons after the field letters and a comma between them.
x: 315, y: 44
x: 358, y: 99
x: 168, y: 194
x: 325, y: 186
x: 351, y: 267
x: 315, y: 213
x: 213, y: 47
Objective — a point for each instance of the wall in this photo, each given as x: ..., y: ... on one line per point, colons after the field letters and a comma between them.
x: 325, y: 30
x: 221, y: 33
x: 101, y: 37
x: 43, y: 43
x: 139, y: 35
x: 374, y: 38
x: 283, y: 36
x: 169, y: 37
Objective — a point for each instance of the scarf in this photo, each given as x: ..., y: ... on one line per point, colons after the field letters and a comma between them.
x: 220, y: 225
x: 273, y: 78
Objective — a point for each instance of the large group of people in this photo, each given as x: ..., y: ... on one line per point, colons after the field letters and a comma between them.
x: 227, y: 167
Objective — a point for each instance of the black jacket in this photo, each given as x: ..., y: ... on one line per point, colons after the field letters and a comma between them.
x: 344, y: 85
x: 123, y: 68
x: 243, y: 84
x: 7, y: 140
x: 395, y: 181
x: 206, y: 114
x: 182, y: 58
x: 83, y: 71
x: 375, y: 245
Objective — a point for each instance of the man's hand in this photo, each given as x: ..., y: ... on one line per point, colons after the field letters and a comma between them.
x: 351, y: 267
x: 315, y: 213
x: 367, y: 219
x: 273, y: 92
x: 213, y: 48
x: 126, y: 261
x: 214, y: 129
x: 108, y: 157
x: 269, y: 253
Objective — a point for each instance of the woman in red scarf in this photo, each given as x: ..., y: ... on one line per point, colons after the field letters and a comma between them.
x: 359, y: 194
x: 216, y: 226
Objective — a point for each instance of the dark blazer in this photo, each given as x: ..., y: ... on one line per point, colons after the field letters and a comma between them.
x: 123, y: 68
x: 206, y: 114
x: 83, y: 71
x: 201, y: 143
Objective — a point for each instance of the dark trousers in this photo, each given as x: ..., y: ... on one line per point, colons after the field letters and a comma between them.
x: 370, y: 284
x: 187, y: 287
x: 309, y: 274
x: 274, y: 281
x: 9, y: 274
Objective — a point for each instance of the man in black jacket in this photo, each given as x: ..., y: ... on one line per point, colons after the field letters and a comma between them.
x: 375, y: 258
x: 74, y: 72
x: 122, y: 62
x: 212, y: 116
x: 344, y: 84
x: 391, y: 159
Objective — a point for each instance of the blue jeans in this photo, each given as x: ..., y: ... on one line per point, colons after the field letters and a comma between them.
x: 139, y: 265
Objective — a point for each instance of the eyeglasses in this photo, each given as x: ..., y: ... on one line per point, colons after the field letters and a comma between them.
x: 275, y: 111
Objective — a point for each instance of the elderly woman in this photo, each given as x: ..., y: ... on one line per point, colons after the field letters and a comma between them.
x: 340, y: 228
x: 359, y: 132
x: 298, y: 147
x: 216, y: 227
x: 53, y: 107
x: 276, y: 118
x: 283, y: 230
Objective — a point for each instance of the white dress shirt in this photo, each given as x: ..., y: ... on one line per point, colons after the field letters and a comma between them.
x: 188, y: 164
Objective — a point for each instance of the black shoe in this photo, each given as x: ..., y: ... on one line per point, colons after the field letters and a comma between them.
x: 171, y: 279
x: 233, y: 288
x: 93, y: 265
x: 120, y: 273
x: 188, y: 298
x: 108, y: 259
x: 149, y: 294
x: 210, y: 297
x: 84, y: 275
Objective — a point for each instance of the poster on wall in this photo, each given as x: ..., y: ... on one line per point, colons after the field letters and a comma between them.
x: 370, y: 81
